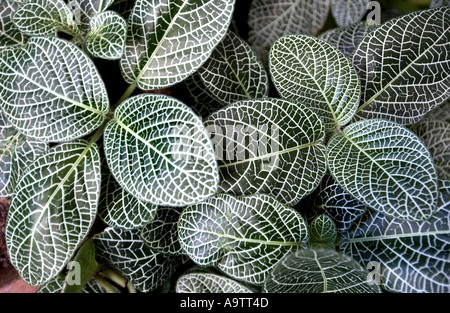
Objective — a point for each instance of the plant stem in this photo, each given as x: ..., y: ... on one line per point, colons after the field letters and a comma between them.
x: 105, y: 284
x: 115, y: 277
x: 131, y: 288
x: 98, y: 133
x: 125, y: 95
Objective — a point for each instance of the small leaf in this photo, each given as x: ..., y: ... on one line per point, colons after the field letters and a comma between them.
x: 323, y: 232
x: 53, y: 210
x: 51, y: 91
x: 233, y: 72
x: 208, y: 283
x: 127, y: 253
x: 168, y: 41
x: 10, y: 36
x: 348, y: 12
x: 269, y: 146
x: 243, y: 236
x: 404, y: 66
x: 385, y: 166
x: 84, y: 10
x: 159, y: 151
x: 106, y: 38
x: 318, y: 75
x: 314, y: 271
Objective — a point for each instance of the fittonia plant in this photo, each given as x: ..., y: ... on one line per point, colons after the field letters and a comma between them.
x: 299, y: 163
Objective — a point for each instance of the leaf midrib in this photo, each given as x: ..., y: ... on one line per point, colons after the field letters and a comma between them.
x: 396, y: 236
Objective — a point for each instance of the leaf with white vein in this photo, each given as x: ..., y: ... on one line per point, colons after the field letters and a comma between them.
x: 45, y: 17
x: 439, y: 3
x: 208, y: 283
x: 53, y: 209
x: 84, y: 10
x: 51, y: 91
x: 414, y: 256
x: 203, y: 101
x: 168, y: 41
x: 106, y: 38
x: 269, y: 146
x: 404, y: 66
x: 318, y: 75
x: 159, y: 151
x: 125, y: 251
x: 442, y: 112
x: 10, y: 35
x: 387, y: 167
x: 319, y: 271
x: 233, y: 72
x: 348, y: 12
x: 323, y: 232
x: 272, y: 19
x: 243, y: 236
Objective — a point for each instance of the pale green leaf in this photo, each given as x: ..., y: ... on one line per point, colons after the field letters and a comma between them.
x: 269, y: 146
x: 318, y: 75
x: 159, y: 151
x: 53, y: 209
x: 442, y: 112
x: 243, y: 236
x: 319, y: 271
x: 387, y: 167
x: 404, y: 66
x: 208, y: 283
x: 348, y: 12
x: 10, y: 35
x: 322, y: 231
x: 168, y: 41
x: 439, y: 3
x: 51, y: 91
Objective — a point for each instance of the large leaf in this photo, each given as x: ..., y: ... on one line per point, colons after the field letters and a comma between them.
x: 160, y: 152
x: 318, y: 75
x: 10, y: 35
x: 269, y: 146
x: 411, y: 256
x: 387, y: 167
x: 51, y: 91
x: 404, y: 66
x: 243, y: 236
x: 208, y: 283
x: 53, y: 209
x: 348, y: 12
x: 17, y: 152
x: 319, y: 271
x: 271, y: 19
x: 168, y: 41
x: 233, y: 72
x: 126, y: 252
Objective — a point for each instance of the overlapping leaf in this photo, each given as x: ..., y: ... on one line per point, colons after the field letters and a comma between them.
x: 208, y: 283
x: 318, y: 75
x: 56, y: 285
x: 159, y: 151
x: 203, y: 101
x: 53, y: 209
x: 319, y: 271
x: 387, y: 167
x: 126, y: 252
x: 10, y: 35
x: 411, y: 256
x: 168, y: 41
x: 243, y: 236
x: 404, y: 66
x: 442, y: 112
x: 439, y: 3
x: 348, y: 12
x: 84, y: 10
x: 51, y: 91
x: 269, y: 146
x: 323, y: 232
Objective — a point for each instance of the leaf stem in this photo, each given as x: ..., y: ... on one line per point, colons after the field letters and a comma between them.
x: 115, y: 277
x: 105, y: 284
x: 125, y: 95
x: 131, y: 288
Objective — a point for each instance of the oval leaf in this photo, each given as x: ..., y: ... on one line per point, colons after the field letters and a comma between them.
x: 348, y: 12
x: 10, y: 36
x: 269, y: 146
x: 51, y: 91
x: 53, y: 210
x: 385, y: 166
x: 208, y: 283
x: 159, y: 151
x: 86, y: 9
x: 244, y: 236
x: 323, y: 231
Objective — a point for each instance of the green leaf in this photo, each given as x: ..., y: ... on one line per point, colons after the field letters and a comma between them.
x: 159, y: 151
x: 45, y: 17
x: 161, y: 234
x: 123, y: 7
x: 233, y: 72
x: 387, y: 167
x: 318, y: 75
x: 127, y: 253
x: 410, y: 256
x: 86, y: 9
x: 272, y: 19
x: 10, y: 36
x: 51, y: 91
x: 168, y: 41
x: 348, y: 12
x: 442, y: 112
x: 204, y: 102
x: 270, y: 146
x: 243, y: 236
x: 17, y: 152
x: 323, y: 232
x: 208, y: 283
x: 53, y: 210
x: 319, y: 271
x: 436, y: 136
x: 404, y: 67
x: 106, y: 38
